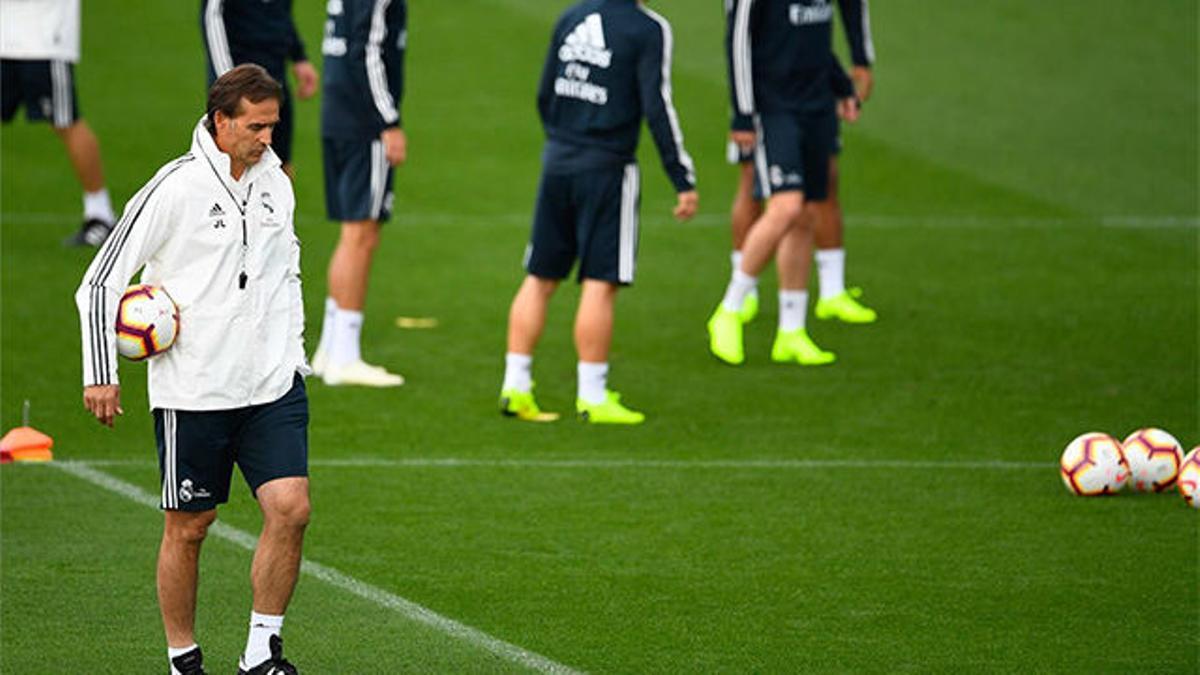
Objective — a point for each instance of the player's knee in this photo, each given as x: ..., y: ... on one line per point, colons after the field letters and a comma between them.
x: 190, y: 528
x: 292, y: 513
x: 787, y: 206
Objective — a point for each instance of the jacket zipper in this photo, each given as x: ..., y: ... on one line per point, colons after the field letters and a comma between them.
x: 244, y: 277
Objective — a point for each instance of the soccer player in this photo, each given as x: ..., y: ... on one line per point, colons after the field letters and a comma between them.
x: 39, y: 47
x: 609, y: 65
x: 363, y: 140
x: 262, y: 32
x: 786, y: 96
x: 214, y: 229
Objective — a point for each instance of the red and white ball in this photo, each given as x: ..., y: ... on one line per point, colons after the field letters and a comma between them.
x: 147, y: 322
x: 1092, y: 464
x: 1189, y: 478
x: 1154, y: 457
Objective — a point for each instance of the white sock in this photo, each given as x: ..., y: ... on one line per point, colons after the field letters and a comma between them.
x: 98, y: 205
x: 793, y: 306
x: 735, y: 260
x: 518, y: 372
x: 593, y: 382
x: 831, y: 270
x: 327, y: 327
x: 739, y: 287
x: 258, y: 646
x: 347, y: 330
x: 172, y: 652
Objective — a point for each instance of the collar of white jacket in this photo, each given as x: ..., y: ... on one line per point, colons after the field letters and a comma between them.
x: 205, y: 145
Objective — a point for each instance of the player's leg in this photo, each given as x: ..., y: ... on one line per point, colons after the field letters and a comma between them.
x: 778, y: 179
x: 195, y: 465
x: 794, y: 262
x: 55, y: 82
x: 358, y: 193
x: 548, y: 259
x: 178, y: 572
x: 792, y: 342
x: 276, y: 567
x: 273, y: 457
x: 836, y: 301
x: 747, y: 207
x: 608, y: 240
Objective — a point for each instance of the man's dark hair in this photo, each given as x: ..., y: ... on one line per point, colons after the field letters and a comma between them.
x: 249, y: 81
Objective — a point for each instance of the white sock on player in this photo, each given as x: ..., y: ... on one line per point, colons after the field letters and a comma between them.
x: 831, y: 270
x: 793, y: 306
x: 518, y: 372
x: 593, y: 382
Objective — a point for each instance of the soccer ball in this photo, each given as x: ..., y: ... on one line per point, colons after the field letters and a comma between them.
x: 1189, y: 478
x: 1092, y: 464
x: 1154, y: 457
x: 147, y: 322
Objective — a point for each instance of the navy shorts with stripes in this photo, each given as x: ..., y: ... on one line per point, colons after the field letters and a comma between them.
x: 358, y: 180
x: 46, y: 88
x: 590, y: 216
x: 793, y: 152
x: 197, y: 449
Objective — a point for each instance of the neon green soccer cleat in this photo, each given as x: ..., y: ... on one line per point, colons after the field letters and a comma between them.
x: 845, y: 307
x: 796, y: 347
x: 725, y: 336
x: 521, y: 405
x: 609, y: 412
x: 749, y: 308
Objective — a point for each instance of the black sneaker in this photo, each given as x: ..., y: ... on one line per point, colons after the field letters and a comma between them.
x: 276, y: 665
x: 93, y: 232
x: 190, y: 663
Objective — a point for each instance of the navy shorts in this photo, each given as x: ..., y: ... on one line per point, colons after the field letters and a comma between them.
x: 197, y: 449
x: 358, y: 180
x: 281, y: 137
x: 735, y: 155
x: 46, y: 88
x: 590, y: 216
x: 793, y: 151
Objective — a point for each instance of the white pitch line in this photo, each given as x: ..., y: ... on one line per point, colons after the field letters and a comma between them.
x: 682, y: 464
x: 406, y: 608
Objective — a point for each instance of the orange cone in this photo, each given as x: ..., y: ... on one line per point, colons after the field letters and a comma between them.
x: 25, y: 444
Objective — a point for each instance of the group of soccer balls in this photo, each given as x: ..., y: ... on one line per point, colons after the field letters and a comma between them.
x: 1149, y: 460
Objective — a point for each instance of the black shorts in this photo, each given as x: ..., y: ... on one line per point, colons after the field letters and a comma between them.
x: 735, y: 155
x: 281, y: 137
x: 591, y: 216
x: 358, y: 180
x: 46, y: 88
x: 197, y: 449
x: 793, y: 151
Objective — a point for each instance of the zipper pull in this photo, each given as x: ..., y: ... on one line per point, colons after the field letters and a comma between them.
x: 242, y: 281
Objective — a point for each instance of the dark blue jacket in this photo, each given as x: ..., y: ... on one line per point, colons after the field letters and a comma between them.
x: 609, y: 66
x: 255, y: 31
x: 362, y: 83
x: 780, y: 54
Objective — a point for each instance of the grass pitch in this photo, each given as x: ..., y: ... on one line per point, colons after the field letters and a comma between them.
x: 1022, y: 209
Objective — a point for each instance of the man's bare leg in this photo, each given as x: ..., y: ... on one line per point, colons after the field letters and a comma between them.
x: 526, y: 320
x: 285, y: 508
x: 178, y: 573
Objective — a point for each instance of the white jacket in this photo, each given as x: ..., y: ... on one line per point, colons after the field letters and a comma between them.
x: 241, y: 314
x: 39, y: 30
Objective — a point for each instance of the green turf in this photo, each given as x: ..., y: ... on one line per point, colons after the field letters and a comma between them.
x: 1022, y: 209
